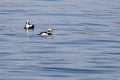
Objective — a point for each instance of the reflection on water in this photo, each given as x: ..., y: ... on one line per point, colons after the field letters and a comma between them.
x: 84, y: 46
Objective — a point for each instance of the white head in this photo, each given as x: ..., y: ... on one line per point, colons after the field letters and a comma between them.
x: 50, y: 30
x: 27, y: 25
x: 27, y: 21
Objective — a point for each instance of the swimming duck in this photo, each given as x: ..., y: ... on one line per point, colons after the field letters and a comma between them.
x: 28, y: 25
x: 46, y: 33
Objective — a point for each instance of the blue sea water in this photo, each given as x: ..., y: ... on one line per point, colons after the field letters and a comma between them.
x: 85, y: 44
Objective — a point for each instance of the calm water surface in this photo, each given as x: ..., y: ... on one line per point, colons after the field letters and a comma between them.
x: 85, y: 44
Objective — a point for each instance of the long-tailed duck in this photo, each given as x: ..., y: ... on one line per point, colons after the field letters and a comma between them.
x: 46, y: 33
x: 28, y: 25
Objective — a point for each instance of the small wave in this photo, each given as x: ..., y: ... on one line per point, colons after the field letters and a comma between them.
x: 72, y: 70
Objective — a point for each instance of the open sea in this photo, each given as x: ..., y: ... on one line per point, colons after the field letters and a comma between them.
x: 85, y: 44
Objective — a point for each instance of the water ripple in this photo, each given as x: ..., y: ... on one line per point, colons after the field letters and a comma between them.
x: 71, y: 70
x: 85, y: 44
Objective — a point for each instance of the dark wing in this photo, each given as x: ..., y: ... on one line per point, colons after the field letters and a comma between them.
x: 42, y: 33
x: 49, y: 33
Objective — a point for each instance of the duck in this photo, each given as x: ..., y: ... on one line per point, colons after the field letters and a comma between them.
x: 28, y: 25
x: 46, y: 33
